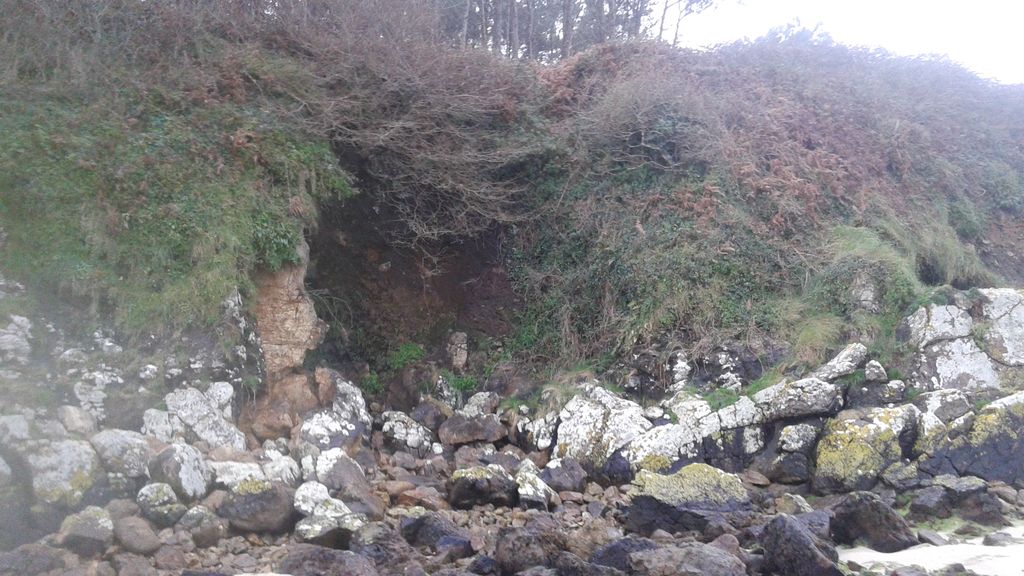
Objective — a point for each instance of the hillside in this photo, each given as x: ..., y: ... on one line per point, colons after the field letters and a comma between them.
x: 356, y: 275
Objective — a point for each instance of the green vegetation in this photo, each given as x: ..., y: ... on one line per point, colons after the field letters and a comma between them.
x: 462, y: 383
x: 371, y: 384
x: 406, y: 354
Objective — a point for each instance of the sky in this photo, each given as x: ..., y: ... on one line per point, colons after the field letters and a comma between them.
x: 985, y: 36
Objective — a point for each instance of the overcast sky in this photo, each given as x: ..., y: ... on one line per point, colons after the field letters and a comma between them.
x: 985, y: 36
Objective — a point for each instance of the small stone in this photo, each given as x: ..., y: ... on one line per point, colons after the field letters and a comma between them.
x: 874, y: 372
x: 135, y: 535
x: 87, y: 533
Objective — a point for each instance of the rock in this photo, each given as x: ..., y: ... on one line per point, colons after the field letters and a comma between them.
x: 404, y: 433
x: 791, y: 548
x: 874, y: 372
x: 792, y: 504
x: 123, y: 452
x: 162, y: 425
x: 278, y: 467
x: 685, y: 500
x: 431, y: 413
x: 458, y: 350
x: 169, y: 558
x: 431, y: 530
x: 159, y: 504
x: 461, y: 429
x: 960, y: 487
x: 661, y: 447
x: 688, y: 559
x: 957, y: 364
x: 204, y: 419
x: 859, y: 445
x: 259, y: 506
x: 15, y: 346
x: 482, y: 485
x: 521, y: 548
x: 310, y: 560
x: 596, y: 423
x: 76, y: 420
x: 537, y: 434
x: 998, y: 539
x: 935, y: 323
x: 863, y: 515
x: 229, y: 474
x: 206, y: 528
x: 29, y: 559
x: 564, y: 475
x: 806, y: 397
x: 616, y: 554
x: 991, y: 449
x: 135, y: 535
x: 798, y: 438
x: 132, y: 565
x: 87, y: 533
x: 342, y: 474
x: 846, y: 362
x: 334, y: 532
x: 931, y: 537
x: 345, y: 423
x: 1004, y: 338
x: 63, y: 472
x: 984, y: 508
x: 533, y: 492
x: 184, y: 469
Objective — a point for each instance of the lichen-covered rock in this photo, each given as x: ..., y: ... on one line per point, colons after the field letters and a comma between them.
x: 203, y: 418
x: 278, y: 467
x: 346, y: 422
x: 936, y: 323
x: 259, y: 506
x: 1004, y: 339
x: 184, y: 469
x: 63, y: 472
x: 229, y: 474
x: 406, y: 434
x: 537, y: 434
x: 480, y: 485
x: 662, y: 446
x: 807, y: 397
x: 15, y: 345
x: 875, y: 372
x: 87, y: 533
x: 480, y: 404
x: 846, y: 362
x: 123, y: 452
x: 992, y: 449
x: 533, y: 492
x: 858, y: 445
x: 958, y: 364
x: 162, y: 425
x: 205, y: 527
x: 797, y: 438
x: 685, y: 500
x: 595, y: 424
x: 346, y: 478
x: 159, y: 504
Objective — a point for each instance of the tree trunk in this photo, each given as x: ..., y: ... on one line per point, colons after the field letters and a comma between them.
x: 496, y: 27
x: 513, y: 29
x: 484, y: 19
x: 568, y: 26
x: 464, y: 33
x: 530, y: 46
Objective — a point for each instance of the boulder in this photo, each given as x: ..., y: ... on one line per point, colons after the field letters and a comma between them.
x: 345, y: 423
x: 228, y: 474
x: 159, y: 504
x: 15, y: 345
x: 533, y: 492
x: 798, y: 438
x: 310, y: 560
x: 184, y: 469
x: 203, y: 418
x: 616, y: 554
x: 63, y: 472
x: 480, y: 485
x: 662, y: 446
x: 806, y: 397
x: 531, y: 546
x: 595, y: 424
x: 875, y: 372
x: 863, y: 516
x: 1004, y: 338
x: 278, y: 467
x: 340, y: 473
x: 206, y: 528
x: 685, y: 500
x: 859, y: 445
x: 404, y: 433
x: 136, y: 536
x: 327, y: 520
x: 123, y: 452
x: 687, y: 559
x: 31, y: 559
x: 791, y: 548
x: 259, y: 506
x: 958, y: 364
x: 846, y: 362
x: 431, y: 413
x: 462, y: 429
x: 564, y: 475
x: 934, y: 323
x: 431, y: 530
x: 991, y: 449
x: 87, y: 533
x: 537, y: 434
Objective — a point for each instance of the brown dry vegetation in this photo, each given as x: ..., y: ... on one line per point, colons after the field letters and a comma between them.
x: 636, y: 189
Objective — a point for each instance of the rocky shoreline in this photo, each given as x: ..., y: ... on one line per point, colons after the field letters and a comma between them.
x: 600, y: 484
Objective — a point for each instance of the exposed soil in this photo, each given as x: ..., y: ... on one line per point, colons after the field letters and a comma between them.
x: 376, y: 295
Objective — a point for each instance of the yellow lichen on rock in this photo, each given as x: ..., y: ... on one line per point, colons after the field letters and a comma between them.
x: 694, y: 484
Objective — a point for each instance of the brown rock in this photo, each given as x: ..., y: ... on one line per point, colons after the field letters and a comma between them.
x: 425, y: 496
x: 135, y: 535
x: 169, y: 558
